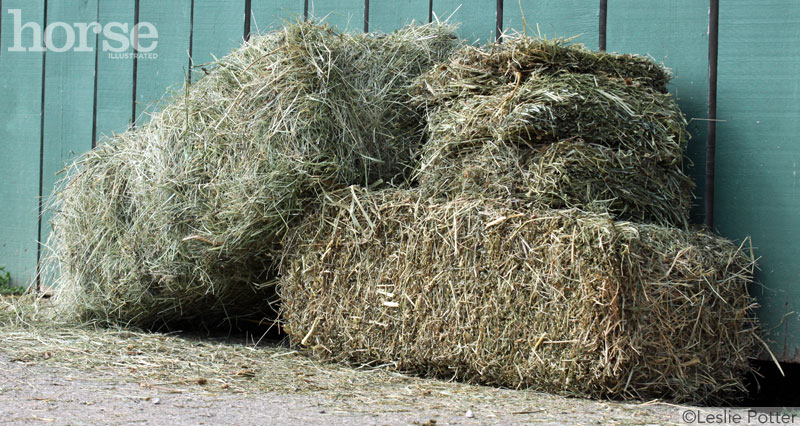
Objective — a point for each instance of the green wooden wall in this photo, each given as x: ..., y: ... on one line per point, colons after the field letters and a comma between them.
x: 758, y: 153
x: 56, y: 105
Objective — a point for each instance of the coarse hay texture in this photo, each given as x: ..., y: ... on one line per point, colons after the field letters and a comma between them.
x: 480, y: 70
x: 574, y: 118
x: 567, y: 174
x: 548, y: 107
x: 180, y: 220
x: 481, y: 290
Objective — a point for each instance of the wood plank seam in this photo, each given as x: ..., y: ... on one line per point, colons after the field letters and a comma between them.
x: 191, y: 43
x: 94, y: 95
x: 602, y: 25
x: 711, y: 134
x: 366, y: 16
x: 41, y: 160
x: 135, y: 62
x: 430, y: 11
x: 248, y: 13
x: 498, y: 31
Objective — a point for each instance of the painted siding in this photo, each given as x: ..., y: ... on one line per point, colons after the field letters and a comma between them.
x: 387, y: 15
x: 268, y: 15
x: 345, y: 15
x: 758, y: 154
x: 555, y: 18
x: 20, y: 136
x: 477, y: 19
x: 68, y: 94
x: 168, y: 71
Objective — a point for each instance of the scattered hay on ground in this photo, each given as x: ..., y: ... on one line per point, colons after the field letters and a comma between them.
x: 170, y: 364
x: 557, y: 300
x: 180, y: 220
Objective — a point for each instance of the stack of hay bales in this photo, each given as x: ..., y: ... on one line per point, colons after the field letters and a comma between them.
x: 558, y: 125
x: 181, y: 220
x: 545, y: 246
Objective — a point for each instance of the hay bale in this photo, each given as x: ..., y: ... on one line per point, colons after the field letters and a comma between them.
x: 566, y: 174
x: 181, y: 219
x: 479, y: 70
x: 556, y: 300
x: 601, y: 110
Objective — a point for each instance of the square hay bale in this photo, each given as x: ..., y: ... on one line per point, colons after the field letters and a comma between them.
x: 570, y: 173
x: 557, y: 125
x: 561, y: 301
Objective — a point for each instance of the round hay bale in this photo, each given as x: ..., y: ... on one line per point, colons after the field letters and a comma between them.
x: 181, y: 219
x: 560, y: 301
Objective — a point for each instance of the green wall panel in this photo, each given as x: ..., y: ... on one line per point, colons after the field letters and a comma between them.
x: 268, y: 15
x: 675, y: 34
x: 758, y: 153
x: 69, y: 94
x: 345, y: 15
x: 217, y: 29
x: 155, y: 76
x: 114, y: 71
x: 555, y: 18
x: 477, y: 19
x: 20, y: 137
x: 387, y: 16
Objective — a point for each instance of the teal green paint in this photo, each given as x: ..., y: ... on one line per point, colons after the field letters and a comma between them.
x: 387, y: 16
x: 69, y: 98
x: 345, y: 15
x: 269, y: 15
x: 758, y: 154
x: 114, y: 71
x: 675, y: 34
x: 477, y: 19
x: 20, y: 137
x: 218, y: 29
x: 555, y: 19
x: 168, y: 71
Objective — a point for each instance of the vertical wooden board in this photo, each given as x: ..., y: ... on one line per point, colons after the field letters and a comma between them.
x: 758, y: 154
x: 217, y: 29
x: 166, y: 71
x: 68, y: 92
x: 345, y: 15
x: 555, y: 18
x: 387, y: 16
x: 675, y: 34
x: 20, y: 137
x: 269, y: 15
x: 477, y: 19
x: 114, y: 111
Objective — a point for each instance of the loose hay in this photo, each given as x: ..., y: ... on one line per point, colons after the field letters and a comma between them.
x: 559, y: 301
x: 181, y: 219
x: 606, y: 112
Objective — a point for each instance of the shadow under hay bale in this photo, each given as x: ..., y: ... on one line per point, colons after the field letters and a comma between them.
x: 569, y: 117
x: 560, y: 301
x: 181, y: 219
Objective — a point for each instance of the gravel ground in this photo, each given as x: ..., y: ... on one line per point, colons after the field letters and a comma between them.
x: 31, y: 394
x: 53, y: 373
